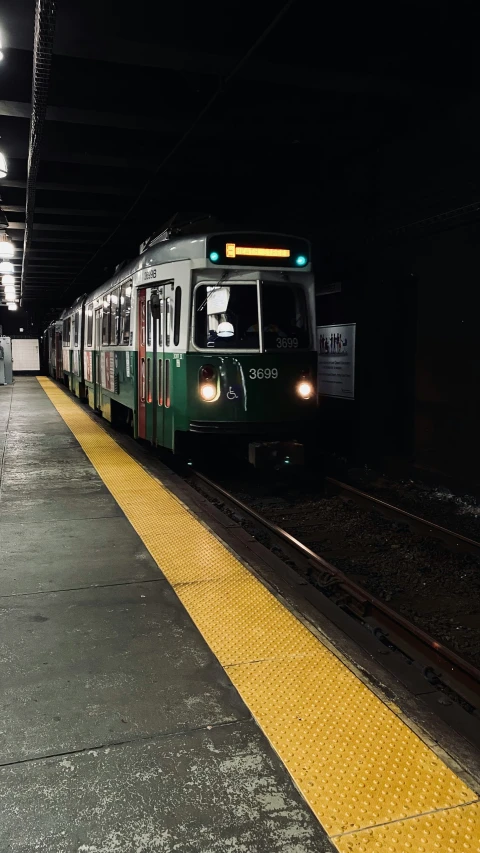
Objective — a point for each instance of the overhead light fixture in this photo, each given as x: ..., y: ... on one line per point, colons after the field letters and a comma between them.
x: 11, y: 306
x: 10, y: 294
x: 3, y: 161
x: 7, y: 279
x: 6, y: 266
x: 9, y: 297
x: 7, y: 249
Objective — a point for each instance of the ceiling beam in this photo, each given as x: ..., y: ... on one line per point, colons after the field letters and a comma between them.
x: 49, y: 226
x: 240, y: 128
x: 74, y: 188
x: 71, y: 241
x: 54, y: 250
x: 93, y: 46
x: 56, y: 156
x: 63, y: 211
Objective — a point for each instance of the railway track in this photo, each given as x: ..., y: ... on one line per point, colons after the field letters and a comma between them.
x: 438, y: 664
x: 454, y: 541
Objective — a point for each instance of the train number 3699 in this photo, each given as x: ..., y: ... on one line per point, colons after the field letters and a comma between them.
x: 263, y: 373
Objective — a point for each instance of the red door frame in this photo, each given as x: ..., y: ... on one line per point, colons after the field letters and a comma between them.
x: 141, y: 367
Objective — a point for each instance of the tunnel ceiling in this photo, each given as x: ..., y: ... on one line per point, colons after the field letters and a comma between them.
x: 345, y: 119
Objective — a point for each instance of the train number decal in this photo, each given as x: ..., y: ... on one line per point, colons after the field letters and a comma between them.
x: 287, y: 343
x: 263, y: 373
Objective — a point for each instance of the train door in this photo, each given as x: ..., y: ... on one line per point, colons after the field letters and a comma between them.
x: 150, y: 364
x: 58, y: 355
x: 155, y: 319
x: 166, y: 322
x: 142, y: 367
x: 162, y: 374
x: 96, y: 366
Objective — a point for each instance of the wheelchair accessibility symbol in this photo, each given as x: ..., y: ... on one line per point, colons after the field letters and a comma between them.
x: 231, y: 394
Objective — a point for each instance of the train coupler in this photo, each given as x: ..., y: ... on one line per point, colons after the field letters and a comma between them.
x: 275, y: 454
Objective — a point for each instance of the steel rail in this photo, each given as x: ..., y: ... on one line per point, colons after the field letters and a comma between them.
x: 456, y: 541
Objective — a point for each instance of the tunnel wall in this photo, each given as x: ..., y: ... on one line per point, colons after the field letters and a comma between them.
x: 417, y: 357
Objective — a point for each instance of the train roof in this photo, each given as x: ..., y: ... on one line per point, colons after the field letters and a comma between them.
x: 191, y: 247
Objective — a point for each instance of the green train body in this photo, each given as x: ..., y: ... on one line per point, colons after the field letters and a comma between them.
x: 200, y: 335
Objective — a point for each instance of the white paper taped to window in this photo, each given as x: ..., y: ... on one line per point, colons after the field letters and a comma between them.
x: 217, y: 300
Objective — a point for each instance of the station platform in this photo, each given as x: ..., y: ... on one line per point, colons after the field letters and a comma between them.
x: 157, y: 696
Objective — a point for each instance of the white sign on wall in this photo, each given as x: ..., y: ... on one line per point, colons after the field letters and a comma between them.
x: 25, y: 354
x: 336, y: 360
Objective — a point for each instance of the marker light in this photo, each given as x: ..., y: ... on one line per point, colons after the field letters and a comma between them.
x: 305, y: 389
x: 214, y: 257
x: 7, y: 279
x: 208, y: 391
x: 6, y: 266
x: 301, y: 260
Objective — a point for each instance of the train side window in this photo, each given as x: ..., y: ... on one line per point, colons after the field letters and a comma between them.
x: 167, y: 382
x: 178, y: 310
x: 76, y: 325
x: 106, y: 321
x: 149, y: 323
x: 149, y: 380
x: 114, y: 316
x: 125, y: 308
x: 89, y: 324
x: 160, y: 323
x: 168, y: 320
x: 66, y: 332
x: 160, y: 382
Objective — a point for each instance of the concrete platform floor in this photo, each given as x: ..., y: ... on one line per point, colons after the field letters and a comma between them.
x: 119, y: 730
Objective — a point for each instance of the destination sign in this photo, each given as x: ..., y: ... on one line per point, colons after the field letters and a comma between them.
x: 258, y: 250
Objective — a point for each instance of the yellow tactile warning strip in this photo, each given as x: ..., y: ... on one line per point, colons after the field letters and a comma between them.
x: 372, y: 782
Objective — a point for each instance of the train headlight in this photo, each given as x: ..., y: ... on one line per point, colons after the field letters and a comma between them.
x: 208, y: 384
x: 208, y: 392
x: 305, y: 389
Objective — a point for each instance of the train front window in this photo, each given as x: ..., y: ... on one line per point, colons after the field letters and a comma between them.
x: 226, y: 316
x: 284, y: 313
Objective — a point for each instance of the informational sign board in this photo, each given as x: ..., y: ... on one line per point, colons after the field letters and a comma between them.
x: 336, y: 360
x: 87, y: 365
x: 107, y: 372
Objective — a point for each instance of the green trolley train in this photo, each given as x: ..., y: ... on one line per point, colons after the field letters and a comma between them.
x: 204, y: 334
